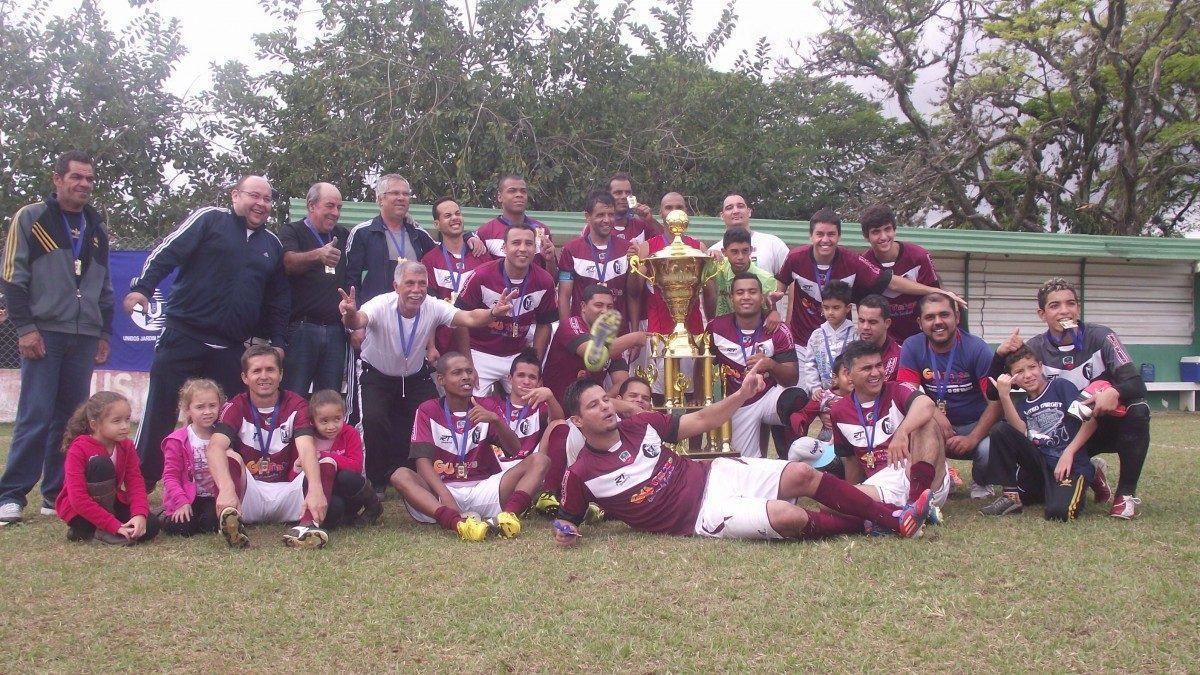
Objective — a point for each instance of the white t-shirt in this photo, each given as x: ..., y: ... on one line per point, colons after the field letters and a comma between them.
x: 382, y: 343
x: 766, y: 250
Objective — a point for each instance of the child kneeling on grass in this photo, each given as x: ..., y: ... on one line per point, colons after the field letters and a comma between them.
x: 1036, y: 456
x: 103, y: 495
x: 189, y: 491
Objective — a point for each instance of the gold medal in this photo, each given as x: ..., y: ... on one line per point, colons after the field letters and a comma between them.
x: 330, y: 270
x: 941, y: 405
x: 869, y: 459
x: 462, y: 470
x: 516, y: 329
x: 78, y: 268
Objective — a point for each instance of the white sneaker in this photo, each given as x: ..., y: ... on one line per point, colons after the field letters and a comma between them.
x: 981, y: 491
x: 10, y: 512
x: 47, y: 511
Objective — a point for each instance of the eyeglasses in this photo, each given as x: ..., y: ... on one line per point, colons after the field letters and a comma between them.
x: 258, y: 196
x: 397, y: 194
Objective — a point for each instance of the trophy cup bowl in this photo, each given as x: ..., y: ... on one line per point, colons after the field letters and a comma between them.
x: 678, y: 273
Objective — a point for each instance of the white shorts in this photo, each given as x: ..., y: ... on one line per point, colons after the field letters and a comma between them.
x: 686, y: 366
x: 491, y: 369
x: 481, y: 497
x: 748, y: 421
x: 892, y: 484
x: 272, y: 502
x: 734, y: 505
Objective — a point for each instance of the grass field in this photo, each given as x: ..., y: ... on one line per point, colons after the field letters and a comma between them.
x: 1010, y: 594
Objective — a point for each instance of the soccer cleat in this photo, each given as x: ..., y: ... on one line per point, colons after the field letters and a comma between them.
x: 981, y: 491
x: 547, y: 504
x: 305, y: 536
x: 472, y: 529
x: 956, y: 480
x: 913, y: 516
x: 604, y: 330
x: 1009, y: 502
x: 1100, y: 482
x: 232, y: 529
x: 1125, y: 507
x: 507, y: 524
x: 594, y: 515
x: 935, y: 516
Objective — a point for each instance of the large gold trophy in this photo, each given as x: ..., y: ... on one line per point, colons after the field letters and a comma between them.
x: 678, y: 273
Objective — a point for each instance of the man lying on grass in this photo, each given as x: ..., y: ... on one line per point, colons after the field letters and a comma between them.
x: 625, y: 469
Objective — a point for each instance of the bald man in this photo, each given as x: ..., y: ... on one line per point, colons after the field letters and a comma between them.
x: 230, y: 285
x: 313, y: 250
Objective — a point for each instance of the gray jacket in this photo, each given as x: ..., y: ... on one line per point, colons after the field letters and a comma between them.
x: 38, y: 273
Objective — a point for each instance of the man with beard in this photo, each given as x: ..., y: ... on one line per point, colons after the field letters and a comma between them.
x: 205, y: 327
x: 953, y: 367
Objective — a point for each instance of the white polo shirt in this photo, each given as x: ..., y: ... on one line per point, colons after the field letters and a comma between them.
x: 382, y: 344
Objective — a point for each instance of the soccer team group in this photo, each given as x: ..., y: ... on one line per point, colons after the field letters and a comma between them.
x: 492, y: 375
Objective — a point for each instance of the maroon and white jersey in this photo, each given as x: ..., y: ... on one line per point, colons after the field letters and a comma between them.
x: 883, y: 417
x: 528, y: 423
x: 492, y: 235
x: 891, y: 359
x: 634, y: 229
x: 801, y: 268
x: 433, y: 439
x: 564, y: 365
x: 637, y: 481
x: 251, y: 430
x: 913, y: 263
x: 584, y: 264
x: 449, y: 273
x: 535, y: 302
x: 734, y: 346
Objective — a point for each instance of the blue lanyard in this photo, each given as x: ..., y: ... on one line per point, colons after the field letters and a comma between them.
x: 516, y: 310
x: 406, y: 346
x: 817, y: 277
x: 320, y: 240
x: 829, y: 352
x: 460, y: 448
x: 601, y: 271
x: 397, y: 242
x: 264, y: 445
x: 452, y: 266
x: 942, y: 384
x: 76, y: 241
x: 520, y: 416
x: 1077, y: 341
x: 868, y: 429
x: 753, y: 340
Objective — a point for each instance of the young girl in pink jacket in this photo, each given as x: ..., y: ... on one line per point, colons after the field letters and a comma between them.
x: 339, y: 444
x: 189, y: 493
x: 103, y: 497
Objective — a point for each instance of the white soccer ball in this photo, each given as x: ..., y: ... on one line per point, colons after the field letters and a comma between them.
x: 805, y: 449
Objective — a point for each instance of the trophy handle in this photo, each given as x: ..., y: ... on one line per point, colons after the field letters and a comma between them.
x: 716, y: 269
x: 635, y: 266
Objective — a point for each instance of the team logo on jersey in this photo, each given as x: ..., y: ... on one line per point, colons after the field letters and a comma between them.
x: 527, y: 303
x: 888, y: 426
x: 621, y: 479
x: 1069, y: 361
x: 477, y: 435
x: 650, y: 449
x: 1089, y: 370
x: 625, y: 456
x: 523, y: 427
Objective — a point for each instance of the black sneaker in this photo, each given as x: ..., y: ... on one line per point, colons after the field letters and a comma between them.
x: 1008, y: 503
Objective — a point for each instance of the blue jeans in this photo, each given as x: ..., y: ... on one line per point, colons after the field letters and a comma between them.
x: 315, y: 356
x: 52, y: 387
x: 978, y: 456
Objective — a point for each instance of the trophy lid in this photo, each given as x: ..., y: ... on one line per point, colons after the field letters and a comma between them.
x: 677, y: 223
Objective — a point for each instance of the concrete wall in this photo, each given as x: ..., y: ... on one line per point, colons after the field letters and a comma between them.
x: 132, y: 385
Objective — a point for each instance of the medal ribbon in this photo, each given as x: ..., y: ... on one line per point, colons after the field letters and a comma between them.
x: 264, y: 444
x: 455, y: 275
x: 76, y: 240
x: 397, y: 242
x: 753, y: 340
x: 601, y: 271
x: 406, y: 346
x: 829, y: 352
x: 520, y: 415
x: 868, y: 430
x: 460, y: 449
x: 1076, y: 338
x: 320, y: 240
x: 942, y: 384
x: 516, y: 309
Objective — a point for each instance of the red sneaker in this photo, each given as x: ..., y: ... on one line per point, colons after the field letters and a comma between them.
x: 1125, y: 507
x: 956, y: 480
x: 1100, y: 482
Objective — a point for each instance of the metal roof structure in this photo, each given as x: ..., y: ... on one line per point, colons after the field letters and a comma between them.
x: 708, y: 229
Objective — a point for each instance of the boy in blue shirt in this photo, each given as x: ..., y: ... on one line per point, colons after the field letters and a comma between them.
x: 1037, y: 458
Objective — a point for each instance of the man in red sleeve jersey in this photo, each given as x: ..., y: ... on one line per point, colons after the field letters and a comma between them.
x: 815, y: 264
x: 457, y: 471
x: 874, y: 326
x: 625, y: 469
x: 564, y: 361
x: 905, y: 260
x: 513, y: 196
x: 886, y: 434
x: 492, y: 348
x: 597, y: 257
x: 635, y: 224
x: 450, y: 264
x: 528, y: 410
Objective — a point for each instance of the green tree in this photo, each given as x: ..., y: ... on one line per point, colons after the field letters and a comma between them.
x: 74, y: 82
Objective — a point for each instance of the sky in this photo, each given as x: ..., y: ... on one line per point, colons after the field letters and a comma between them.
x: 221, y: 30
